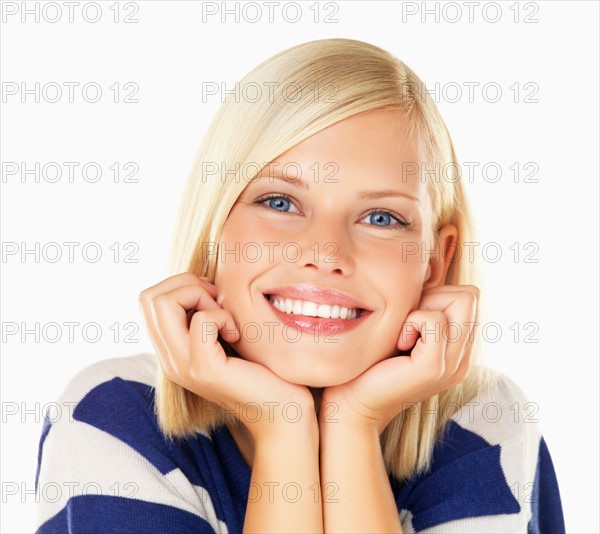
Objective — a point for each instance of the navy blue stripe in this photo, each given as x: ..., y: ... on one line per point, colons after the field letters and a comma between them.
x: 237, y: 477
x: 546, y: 507
x: 466, y: 477
x: 102, y: 514
x: 45, y: 430
x: 125, y: 410
x: 466, y: 480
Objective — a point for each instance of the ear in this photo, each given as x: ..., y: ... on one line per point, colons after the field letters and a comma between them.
x: 441, y: 258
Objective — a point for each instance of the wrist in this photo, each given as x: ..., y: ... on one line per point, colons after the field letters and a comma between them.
x: 297, y: 426
x: 337, y: 415
x: 352, y: 427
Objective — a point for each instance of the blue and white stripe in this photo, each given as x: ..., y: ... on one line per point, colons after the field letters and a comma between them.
x: 104, y: 466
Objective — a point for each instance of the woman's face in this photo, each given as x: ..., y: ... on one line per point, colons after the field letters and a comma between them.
x: 334, y: 225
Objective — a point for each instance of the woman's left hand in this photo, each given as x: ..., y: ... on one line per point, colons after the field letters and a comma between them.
x: 446, y: 320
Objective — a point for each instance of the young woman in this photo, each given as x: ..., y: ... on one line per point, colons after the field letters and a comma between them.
x: 316, y: 364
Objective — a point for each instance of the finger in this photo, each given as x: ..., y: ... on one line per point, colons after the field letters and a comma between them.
x: 203, y: 342
x: 446, y: 295
x: 412, y: 378
x: 214, y: 375
x: 173, y: 282
x: 451, y: 289
x: 146, y: 296
x: 415, y: 326
x: 409, y: 335
x: 460, y: 309
x: 169, y: 319
x: 430, y: 348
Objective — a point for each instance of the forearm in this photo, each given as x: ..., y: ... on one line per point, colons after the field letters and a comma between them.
x: 357, y: 496
x: 285, y: 484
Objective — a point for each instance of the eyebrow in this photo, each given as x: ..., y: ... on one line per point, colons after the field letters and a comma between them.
x: 367, y: 195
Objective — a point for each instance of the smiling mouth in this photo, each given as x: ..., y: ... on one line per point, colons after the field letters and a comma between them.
x: 307, y: 308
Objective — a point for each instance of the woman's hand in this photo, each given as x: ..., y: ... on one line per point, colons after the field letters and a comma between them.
x: 439, y: 359
x: 191, y: 355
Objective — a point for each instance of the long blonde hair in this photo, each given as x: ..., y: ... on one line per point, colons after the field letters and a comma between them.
x: 295, y: 94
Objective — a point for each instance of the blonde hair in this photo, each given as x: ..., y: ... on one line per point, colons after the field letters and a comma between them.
x: 330, y: 79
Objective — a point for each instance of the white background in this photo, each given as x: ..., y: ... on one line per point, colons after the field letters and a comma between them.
x: 169, y: 53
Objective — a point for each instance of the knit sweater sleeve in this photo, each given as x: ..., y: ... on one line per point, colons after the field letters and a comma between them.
x: 103, y: 465
x: 492, y: 472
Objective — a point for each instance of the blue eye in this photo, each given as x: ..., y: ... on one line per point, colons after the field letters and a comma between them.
x: 384, y: 217
x: 381, y: 218
x: 279, y: 203
x: 276, y: 202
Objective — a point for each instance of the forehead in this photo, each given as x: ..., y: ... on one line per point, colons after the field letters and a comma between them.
x: 367, y: 150
x: 373, y: 132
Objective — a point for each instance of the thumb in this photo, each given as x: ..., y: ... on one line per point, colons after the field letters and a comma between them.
x: 409, y: 334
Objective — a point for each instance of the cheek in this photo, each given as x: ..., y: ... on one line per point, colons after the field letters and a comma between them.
x: 398, y: 271
x: 228, y: 258
x: 241, y: 256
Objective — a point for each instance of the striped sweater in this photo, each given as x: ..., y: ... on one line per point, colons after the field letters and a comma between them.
x: 105, y: 467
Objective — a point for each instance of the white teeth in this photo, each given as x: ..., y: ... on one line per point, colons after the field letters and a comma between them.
x: 309, y: 308
x: 312, y: 309
x: 324, y: 310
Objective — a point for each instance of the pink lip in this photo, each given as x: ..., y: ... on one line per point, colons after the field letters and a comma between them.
x: 318, y: 326
x: 317, y: 295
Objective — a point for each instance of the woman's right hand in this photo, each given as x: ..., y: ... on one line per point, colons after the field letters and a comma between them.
x: 191, y: 355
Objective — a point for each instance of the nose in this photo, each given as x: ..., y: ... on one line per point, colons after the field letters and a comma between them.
x: 326, y: 247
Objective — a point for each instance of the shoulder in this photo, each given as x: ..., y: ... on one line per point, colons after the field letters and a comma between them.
x: 497, y: 427
x: 491, y: 470
x: 101, y: 452
x: 115, y: 395
x: 139, y: 368
x: 497, y: 430
x: 501, y: 413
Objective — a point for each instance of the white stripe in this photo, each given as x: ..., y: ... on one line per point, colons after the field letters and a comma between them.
x: 79, y: 458
x: 518, y: 438
x: 489, y: 524
x: 139, y: 367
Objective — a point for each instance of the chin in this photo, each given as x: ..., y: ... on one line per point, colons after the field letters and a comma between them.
x: 322, y: 370
x: 316, y: 377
